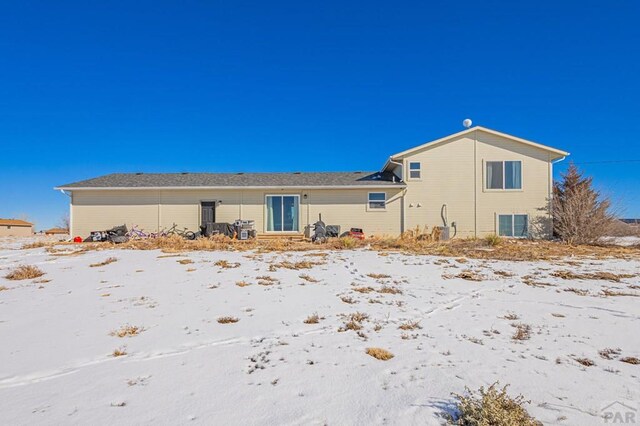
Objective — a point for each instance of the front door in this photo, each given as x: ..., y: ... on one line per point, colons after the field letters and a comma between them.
x: 208, y: 214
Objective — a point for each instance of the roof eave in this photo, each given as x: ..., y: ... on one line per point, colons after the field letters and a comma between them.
x: 158, y: 188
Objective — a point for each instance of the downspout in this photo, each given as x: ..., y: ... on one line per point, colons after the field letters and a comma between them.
x: 475, y: 183
x: 551, y: 163
x: 404, y: 192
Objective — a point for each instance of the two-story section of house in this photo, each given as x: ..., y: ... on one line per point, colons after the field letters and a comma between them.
x: 478, y: 182
x: 473, y: 183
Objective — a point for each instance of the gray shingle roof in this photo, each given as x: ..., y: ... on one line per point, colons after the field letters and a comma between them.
x: 297, y: 179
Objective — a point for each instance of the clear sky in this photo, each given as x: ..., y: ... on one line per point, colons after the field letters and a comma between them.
x: 88, y: 89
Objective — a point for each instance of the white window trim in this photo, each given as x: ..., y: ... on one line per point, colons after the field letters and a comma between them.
x: 484, y: 177
x: 513, y: 224
x: 409, y: 178
x: 370, y: 209
x: 264, y: 220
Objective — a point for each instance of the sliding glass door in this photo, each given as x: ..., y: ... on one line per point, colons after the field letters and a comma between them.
x: 283, y: 213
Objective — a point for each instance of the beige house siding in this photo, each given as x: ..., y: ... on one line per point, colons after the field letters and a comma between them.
x: 453, y: 173
x: 15, y: 231
x: 152, y: 210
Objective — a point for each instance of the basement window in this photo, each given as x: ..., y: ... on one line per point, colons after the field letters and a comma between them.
x: 504, y: 175
x: 513, y: 225
x: 414, y: 170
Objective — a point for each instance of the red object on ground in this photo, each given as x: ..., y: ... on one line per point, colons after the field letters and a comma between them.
x: 356, y: 233
x: 77, y: 240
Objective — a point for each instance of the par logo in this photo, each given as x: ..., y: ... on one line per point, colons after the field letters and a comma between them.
x: 618, y: 413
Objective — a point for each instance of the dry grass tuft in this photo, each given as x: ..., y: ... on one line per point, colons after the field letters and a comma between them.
x: 493, y: 240
x: 605, y: 276
x: 523, y: 332
x: 242, y: 284
x: 266, y: 280
x: 557, y: 315
x: 228, y: 320
x: 303, y: 264
x: 3, y: 288
x: 348, y: 299
x: 493, y: 407
x: 127, y: 331
x: 630, y: 360
x: 184, y: 261
x: 24, y: 272
x: 308, y: 278
x: 104, y: 263
x: 606, y: 292
x: 585, y: 361
x: 226, y: 264
x: 609, y: 353
x: 119, y: 352
x: 470, y: 275
x: 511, y: 316
x: 389, y: 290
x: 312, y: 319
x: 379, y: 353
x: 506, y: 274
x: 379, y: 276
x: 363, y: 289
x: 410, y: 325
x: 577, y: 291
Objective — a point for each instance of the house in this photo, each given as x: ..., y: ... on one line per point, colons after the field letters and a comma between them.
x: 15, y: 228
x: 475, y: 182
x: 56, y: 231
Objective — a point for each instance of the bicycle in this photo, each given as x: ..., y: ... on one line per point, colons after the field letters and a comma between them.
x: 136, y: 234
x: 184, y: 233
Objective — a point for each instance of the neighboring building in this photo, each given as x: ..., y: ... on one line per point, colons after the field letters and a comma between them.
x: 56, y: 231
x: 15, y: 228
x: 478, y: 182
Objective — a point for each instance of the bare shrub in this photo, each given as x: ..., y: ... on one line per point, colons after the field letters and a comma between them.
x: 585, y: 361
x: 523, y: 332
x: 379, y: 353
x: 609, y: 353
x: 24, y: 272
x: 104, y: 262
x: 228, y: 320
x: 580, y: 214
x: 511, y: 316
x: 348, y: 299
x: 410, y: 325
x: 492, y: 406
x: 630, y: 360
x: 119, y: 352
x: 127, y: 331
x: 493, y: 240
x: 312, y: 319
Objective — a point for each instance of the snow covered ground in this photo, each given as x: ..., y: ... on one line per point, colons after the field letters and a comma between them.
x: 57, y: 363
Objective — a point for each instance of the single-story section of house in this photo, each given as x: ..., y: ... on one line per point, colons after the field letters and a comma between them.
x: 472, y: 183
x: 56, y: 231
x: 15, y: 228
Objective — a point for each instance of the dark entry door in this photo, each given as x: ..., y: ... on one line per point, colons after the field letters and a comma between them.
x: 208, y: 212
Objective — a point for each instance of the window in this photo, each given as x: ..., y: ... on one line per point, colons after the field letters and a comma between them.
x: 513, y: 225
x: 414, y: 170
x: 504, y: 175
x: 377, y: 200
x: 282, y: 213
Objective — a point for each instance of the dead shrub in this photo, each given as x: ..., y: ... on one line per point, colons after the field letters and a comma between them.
x: 127, y: 331
x: 227, y: 320
x: 379, y: 353
x: 347, y: 243
x: 24, y: 272
x: 226, y: 264
x: 104, y: 262
x: 348, y: 299
x: 119, y: 352
x: 410, y: 325
x: 308, y: 278
x: 312, y: 319
x: 379, y: 276
x: 493, y: 240
x: 606, y: 276
x: 609, y: 353
x: 511, y: 316
x: 630, y: 360
x: 585, y: 361
x: 523, y: 332
x: 389, y: 290
x: 492, y: 407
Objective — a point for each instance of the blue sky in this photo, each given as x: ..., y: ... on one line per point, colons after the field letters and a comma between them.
x: 88, y: 89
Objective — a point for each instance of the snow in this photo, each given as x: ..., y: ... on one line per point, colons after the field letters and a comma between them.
x: 56, y: 363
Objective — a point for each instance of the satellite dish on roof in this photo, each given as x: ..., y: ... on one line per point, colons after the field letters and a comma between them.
x: 467, y: 123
